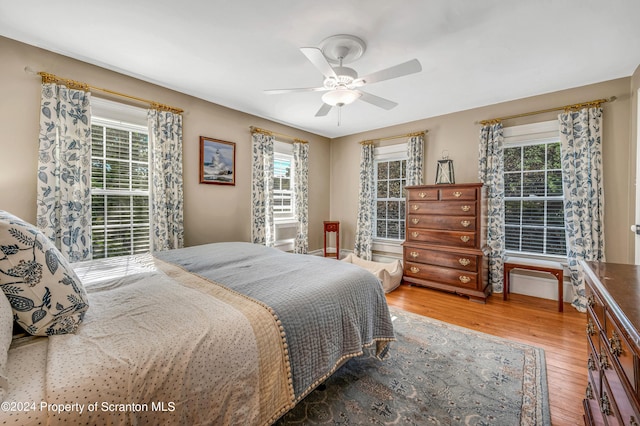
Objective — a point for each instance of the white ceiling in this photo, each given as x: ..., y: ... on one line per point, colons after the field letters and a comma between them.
x: 473, y: 53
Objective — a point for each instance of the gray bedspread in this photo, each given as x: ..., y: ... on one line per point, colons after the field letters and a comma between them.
x: 330, y: 310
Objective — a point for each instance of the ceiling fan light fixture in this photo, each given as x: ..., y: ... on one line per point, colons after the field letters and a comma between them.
x: 340, y: 97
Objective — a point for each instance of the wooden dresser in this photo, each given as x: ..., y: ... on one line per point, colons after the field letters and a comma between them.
x: 612, y: 396
x: 444, y: 239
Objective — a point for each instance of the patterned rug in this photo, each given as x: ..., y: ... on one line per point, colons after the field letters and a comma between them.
x: 436, y: 373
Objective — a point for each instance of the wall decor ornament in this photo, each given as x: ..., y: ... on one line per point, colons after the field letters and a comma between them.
x: 444, y: 172
x: 217, y: 161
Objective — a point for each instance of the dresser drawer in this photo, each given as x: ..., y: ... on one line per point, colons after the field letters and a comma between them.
x: 452, y: 223
x: 596, y: 306
x: 463, y: 279
x: 460, y: 261
x: 620, y: 351
x: 451, y: 208
x: 593, y: 331
x: 615, y: 404
x: 593, y: 366
x: 443, y: 238
x: 622, y: 408
x: 423, y: 194
x: 458, y: 194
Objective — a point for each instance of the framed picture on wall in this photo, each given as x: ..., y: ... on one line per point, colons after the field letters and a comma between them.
x: 217, y: 161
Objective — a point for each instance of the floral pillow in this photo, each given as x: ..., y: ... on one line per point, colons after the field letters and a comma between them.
x: 6, y: 333
x: 45, y: 294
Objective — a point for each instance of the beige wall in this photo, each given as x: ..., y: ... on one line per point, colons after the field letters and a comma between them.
x: 212, y: 212
x: 633, y: 151
x: 222, y: 213
x: 458, y: 134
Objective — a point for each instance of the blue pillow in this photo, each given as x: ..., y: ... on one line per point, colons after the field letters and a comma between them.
x: 45, y: 294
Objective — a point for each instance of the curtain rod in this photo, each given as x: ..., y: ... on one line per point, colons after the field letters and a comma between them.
x: 272, y: 133
x: 406, y: 135
x: 595, y: 103
x: 51, y: 78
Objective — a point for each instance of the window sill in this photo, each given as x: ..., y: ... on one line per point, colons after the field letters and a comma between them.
x: 387, y: 246
x: 555, y: 258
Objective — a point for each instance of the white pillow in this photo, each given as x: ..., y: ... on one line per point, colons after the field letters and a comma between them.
x: 45, y: 294
x: 6, y: 332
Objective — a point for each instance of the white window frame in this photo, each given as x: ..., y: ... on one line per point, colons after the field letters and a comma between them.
x: 533, y: 134
x: 131, y: 119
x: 284, y: 222
x: 387, y: 153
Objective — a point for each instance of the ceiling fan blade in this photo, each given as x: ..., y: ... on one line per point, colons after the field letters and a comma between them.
x: 324, y: 110
x: 410, y: 67
x: 318, y: 60
x: 377, y: 100
x: 303, y: 89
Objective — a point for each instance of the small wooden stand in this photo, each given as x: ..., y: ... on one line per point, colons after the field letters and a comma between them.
x: 330, y: 226
x: 554, y: 268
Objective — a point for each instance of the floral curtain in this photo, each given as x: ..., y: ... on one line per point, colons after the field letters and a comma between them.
x: 581, y: 150
x: 415, y: 160
x: 301, y: 191
x: 491, y: 173
x: 262, y: 225
x: 364, y: 226
x: 165, y: 141
x: 64, y: 170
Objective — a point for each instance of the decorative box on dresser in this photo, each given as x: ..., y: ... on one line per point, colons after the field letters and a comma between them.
x: 612, y: 396
x: 444, y: 239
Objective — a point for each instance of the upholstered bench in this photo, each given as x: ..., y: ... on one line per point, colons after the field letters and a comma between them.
x: 554, y: 268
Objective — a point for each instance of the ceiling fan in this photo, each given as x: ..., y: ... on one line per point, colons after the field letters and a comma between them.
x: 342, y: 84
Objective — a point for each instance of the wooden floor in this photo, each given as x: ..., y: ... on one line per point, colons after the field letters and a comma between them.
x: 525, y: 319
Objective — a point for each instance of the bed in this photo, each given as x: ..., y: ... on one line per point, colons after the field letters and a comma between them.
x: 226, y: 333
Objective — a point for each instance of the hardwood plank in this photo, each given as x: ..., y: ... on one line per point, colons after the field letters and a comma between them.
x: 524, y: 319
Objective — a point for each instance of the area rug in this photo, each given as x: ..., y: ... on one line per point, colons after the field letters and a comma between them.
x: 436, y: 373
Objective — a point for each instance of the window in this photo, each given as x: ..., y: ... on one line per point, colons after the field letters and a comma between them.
x: 533, y: 203
x: 390, y: 168
x: 282, y: 186
x: 120, y: 220
x: 283, y: 196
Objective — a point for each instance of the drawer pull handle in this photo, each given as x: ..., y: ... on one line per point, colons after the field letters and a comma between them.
x: 589, y: 392
x: 633, y: 421
x: 464, y: 261
x: 616, y: 345
x: 415, y: 221
x: 457, y: 194
x: 591, y: 329
x: 415, y: 234
x: 415, y: 207
x: 465, y: 223
x: 591, y: 301
x: 605, y: 405
x: 465, y: 208
x: 414, y: 269
x: 423, y: 195
x: 463, y: 278
x: 465, y: 238
x: 414, y: 254
x: 591, y: 364
x: 604, y: 361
